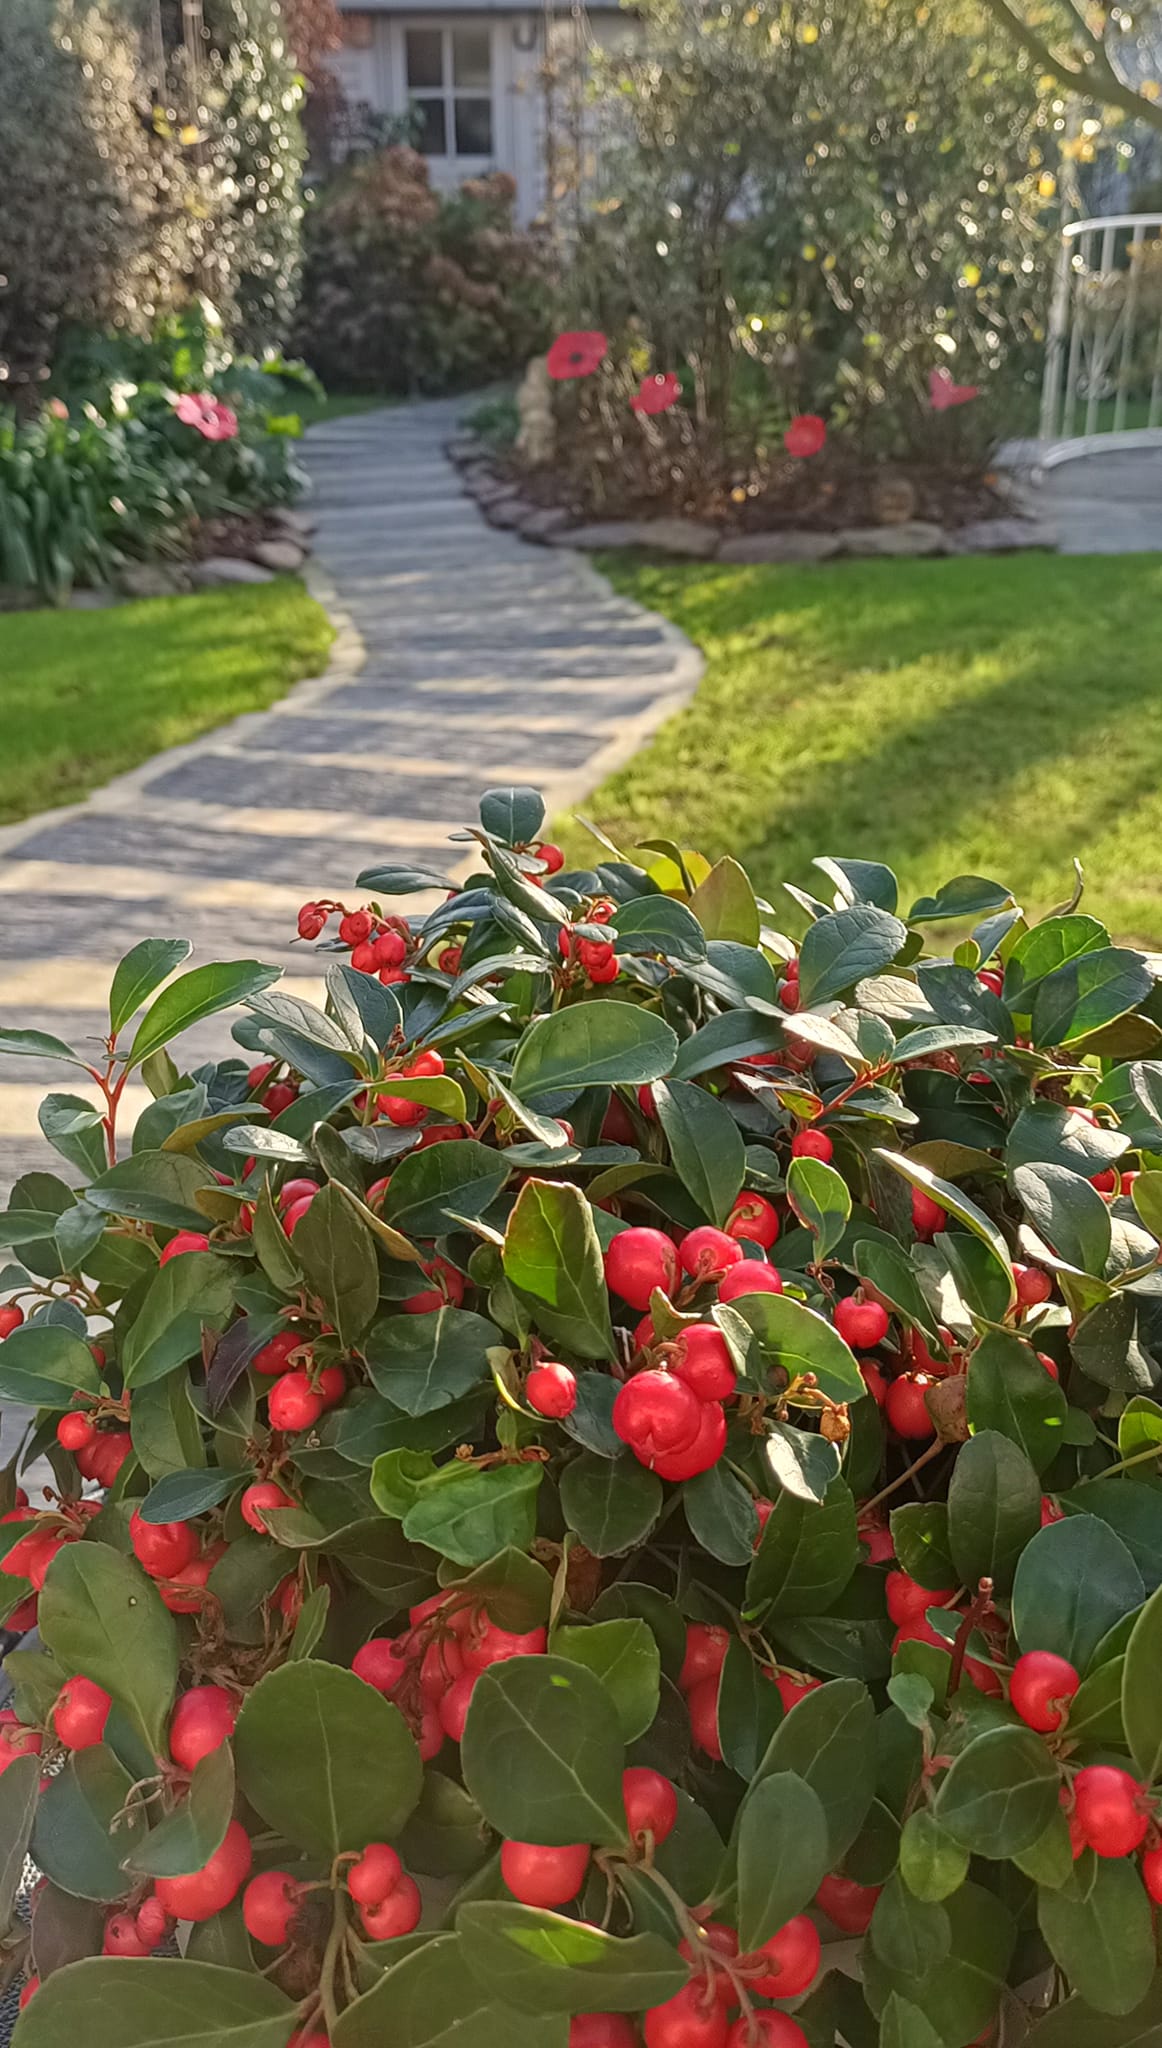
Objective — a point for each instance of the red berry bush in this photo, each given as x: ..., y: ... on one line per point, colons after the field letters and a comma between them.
x: 606, y: 1480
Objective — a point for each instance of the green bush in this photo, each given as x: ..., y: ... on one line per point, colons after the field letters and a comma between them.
x: 408, y: 290
x: 642, y: 1426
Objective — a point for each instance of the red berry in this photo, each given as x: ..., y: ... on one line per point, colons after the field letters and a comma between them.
x: 791, y: 1688
x: 717, y: 1940
x: 259, y: 1074
x: 425, y: 1065
x: 376, y: 1873
x: 209, y: 1890
x: 1152, y: 1874
x: 616, y: 1127
x: 298, y: 1190
x: 29, y: 1992
x: 294, y: 1403
x: 183, y: 1241
x: 705, y: 1451
x: 153, y: 1922
x: 905, y: 1407
x: 920, y: 1630
x: 811, y: 1145
x: 183, y: 1593
x: 792, y: 1956
x: 269, y: 1904
x: 1107, y: 1183
x: 74, y: 1432
x: 107, y: 1455
x: 312, y: 918
x: 266, y: 1496
x: 605, y: 970
x: 636, y: 1262
x: 764, y: 1509
x: 390, y: 949
x: 1109, y: 1811
x: 80, y: 1713
x: 708, y: 1254
x: 873, y: 1380
x: 552, y: 1390
x: 1033, y: 1286
x: 202, y: 1720
x: 1040, y: 1688
x: 454, y: 1705
x: 449, y: 1288
x: 687, y: 2020
x: 755, y: 1218
x: 849, y: 1906
x: 121, y: 1938
x: 486, y: 1644
x: 767, y: 2029
x: 862, y: 1324
x: 552, y: 856
x: 602, y: 2030
x: 1050, y: 1512
x: 1050, y: 1365
x: 399, y: 1913
x: 906, y: 1599
x: 702, y: 1703
x: 398, y: 1110
x: 651, y: 1803
x: 383, y: 1663
x: 750, y: 1276
x: 655, y: 1414
x: 706, y: 1648
x: 11, y: 1317
x: 541, y: 1876
x: 702, y: 1359
x: 355, y: 927
x: 162, y: 1548
x: 927, y: 1216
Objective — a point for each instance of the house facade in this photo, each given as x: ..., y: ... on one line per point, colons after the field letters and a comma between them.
x: 478, y: 75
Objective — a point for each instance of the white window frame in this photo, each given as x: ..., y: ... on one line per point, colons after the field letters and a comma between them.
x: 446, y: 27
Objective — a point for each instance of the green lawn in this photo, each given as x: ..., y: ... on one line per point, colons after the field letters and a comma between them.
x: 86, y: 695
x: 947, y: 717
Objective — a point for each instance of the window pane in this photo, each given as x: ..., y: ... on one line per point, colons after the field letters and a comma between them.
x: 471, y: 60
x: 425, y: 58
x: 431, y: 139
x: 474, y: 127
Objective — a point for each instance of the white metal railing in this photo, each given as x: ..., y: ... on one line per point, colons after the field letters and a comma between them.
x: 1103, y: 365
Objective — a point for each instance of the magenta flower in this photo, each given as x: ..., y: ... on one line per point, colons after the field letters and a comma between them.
x: 576, y: 355
x: 944, y: 394
x: 657, y: 393
x: 208, y: 416
x: 805, y: 435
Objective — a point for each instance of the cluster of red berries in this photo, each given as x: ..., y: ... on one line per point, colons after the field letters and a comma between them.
x: 596, y: 958
x: 539, y: 1875
x: 173, y: 1555
x: 301, y: 1393
x: 31, y: 1554
x: 379, y: 945
x: 1107, y: 1809
x: 699, y: 2016
x: 700, y: 1680
x: 908, y: 1603
x: 430, y: 1671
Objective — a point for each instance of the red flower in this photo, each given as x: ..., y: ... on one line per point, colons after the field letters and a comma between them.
x: 213, y: 420
x: 657, y: 393
x: 805, y: 435
x: 944, y: 394
x: 576, y: 355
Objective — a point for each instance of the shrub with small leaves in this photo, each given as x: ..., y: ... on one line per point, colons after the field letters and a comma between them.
x: 611, y: 1458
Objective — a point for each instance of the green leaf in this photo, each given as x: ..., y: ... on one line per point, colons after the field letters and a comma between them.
x: 1075, y: 1579
x: 861, y: 881
x: 470, y: 1515
x: 624, y: 1655
x: 610, y: 1503
x: 920, y: 1536
x: 74, y: 1840
x: 1001, y: 1793
x: 552, y: 1253
x: 188, y: 1838
x: 1103, y: 1936
x: 337, y: 1253
x: 845, y: 946
x: 114, y: 2002
x: 904, y: 2026
x: 1141, y: 1694
x: 1010, y: 1391
x: 821, y: 1200
x: 658, y: 924
x: 783, y: 1854
x: 827, y: 1738
x: 19, y: 1796
x: 720, y: 1514
x: 994, y: 1509
x: 38, y: 1045
x: 423, y: 1363
x: 183, y: 1494
x: 1067, y: 1213
x: 541, y: 1962
x: 1073, y: 2024
x: 513, y: 813
x: 908, y: 1934
x: 932, y: 1864
x: 154, y: 1187
x: 43, y: 1364
x: 964, y: 896
x: 959, y: 1994
x: 724, y: 904
x: 793, y: 1338
x: 735, y: 1035
x: 1049, y: 1861
x: 800, y: 1461
x: 930, y: 1038
x: 430, y: 1189
x: 592, y: 1045
x: 706, y: 1146
x: 185, y: 1297
x: 1090, y: 991
x: 101, y: 1616
x: 201, y: 993
x: 749, y: 1710
x: 958, y: 1205
x: 807, y: 1554
x: 77, y: 1131
x: 302, y: 1745
x: 543, y: 1753
x: 1043, y: 949
x: 139, y: 973
x: 892, y: 1274
x: 1049, y: 1134
x: 432, y: 1999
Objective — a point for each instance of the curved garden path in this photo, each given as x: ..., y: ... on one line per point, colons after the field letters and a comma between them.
x: 463, y: 657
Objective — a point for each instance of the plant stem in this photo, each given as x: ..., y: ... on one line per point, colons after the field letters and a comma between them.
x: 925, y: 1458
x: 1124, y: 1465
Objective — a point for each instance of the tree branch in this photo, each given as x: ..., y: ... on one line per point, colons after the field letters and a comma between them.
x: 1097, y: 80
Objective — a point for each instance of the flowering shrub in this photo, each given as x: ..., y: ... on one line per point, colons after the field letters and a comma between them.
x: 629, y: 1457
x: 406, y: 289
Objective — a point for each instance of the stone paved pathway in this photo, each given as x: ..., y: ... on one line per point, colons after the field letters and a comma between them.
x: 464, y: 658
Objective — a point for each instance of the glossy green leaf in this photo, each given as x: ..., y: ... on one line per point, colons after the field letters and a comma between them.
x: 43, y: 1364
x: 139, y: 973
x: 432, y: 1999
x: 543, y: 1752
x: 611, y: 1504
x: 950, y: 1198
x: 793, y: 1339
x: 1102, y: 1935
x: 187, y: 1296
x: 424, y: 1363
x: 541, y: 1962
x: 624, y: 1655
x: 552, y: 1253
x: 337, y: 1254
x: 471, y: 1514
x: 994, y: 1509
x: 430, y: 1189
x: 187, y: 1839
x: 101, y: 1616
x: 593, y: 1044
x: 784, y: 1852
x: 1075, y: 1579
x: 721, y: 1515
x: 1001, y: 1793
x: 199, y: 994
x: 933, y: 1864
x: 820, y: 1199
x: 302, y: 1745
x: 807, y: 1554
x: 1141, y: 1693
x: 1067, y: 1213
x: 826, y: 1739
x: 842, y: 948
x: 1010, y: 1391
x: 706, y: 1146
x: 1088, y: 992
x: 923, y: 1550
x: 114, y: 2002
x: 74, y: 1840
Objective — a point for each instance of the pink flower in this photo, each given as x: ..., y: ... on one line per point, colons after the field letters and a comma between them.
x: 213, y: 420
x: 657, y: 393
x: 576, y: 355
x: 805, y: 435
x: 944, y: 394
x: 58, y: 408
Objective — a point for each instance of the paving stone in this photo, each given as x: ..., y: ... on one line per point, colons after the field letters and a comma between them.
x: 228, y: 569
x: 284, y: 556
x: 601, y: 704
x: 999, y: 536
x: 779, y: 547
x: 912, y: 537
x: 668, y: 536
x: 421, y: 734
x: 272, y: 783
